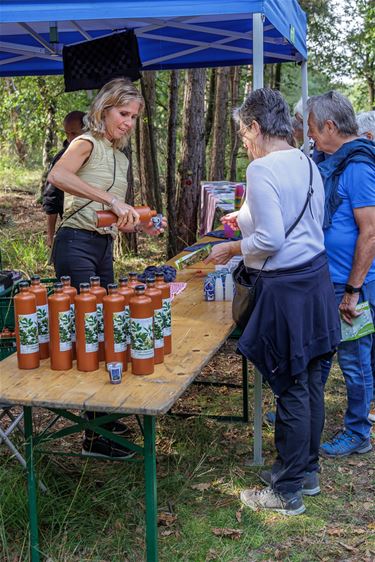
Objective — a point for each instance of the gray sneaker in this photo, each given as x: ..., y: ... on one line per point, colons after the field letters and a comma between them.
x: 310, y: 485
x: 287, y: 504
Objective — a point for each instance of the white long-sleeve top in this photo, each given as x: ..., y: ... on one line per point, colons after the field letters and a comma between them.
x: 276, y: 191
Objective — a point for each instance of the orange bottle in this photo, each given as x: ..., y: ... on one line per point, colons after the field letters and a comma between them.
x: 26, y: 328
x: 60, y: 331
x: 40, y: 293
x: 99, y: 292
x: 114, y: 327
x: 72, y: 292
x: 86, y: 329
x: 127, y: 293
x: 133, y: 280
x: 166, y: 295
x: 107, y: 218
x: 157, y: 304
x: 142, y: 334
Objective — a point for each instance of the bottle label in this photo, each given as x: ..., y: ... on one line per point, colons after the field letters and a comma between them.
x: 167, y: 317
x: 43, y: 330
x: 127, y: 324
x: 28, y: 331
x: 73, y: 322
x: 99, y: 312
x: 158, y: 328
x: 65, y: 330
x: 119, y: 331
x: 142, y: 338
x: 91, y: 332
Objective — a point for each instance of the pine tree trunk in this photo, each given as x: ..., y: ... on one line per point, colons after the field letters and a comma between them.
x: 278, y: 71
x: 191, y: 162
x: 217, y: 171
x: 149, y: 173
x: 49, y: 144
x: 19, y: 144
x: 235, y: 78
x: 171, y: 164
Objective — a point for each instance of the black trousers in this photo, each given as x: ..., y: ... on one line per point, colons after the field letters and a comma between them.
x: 82, y: 254
x: 298, y: 428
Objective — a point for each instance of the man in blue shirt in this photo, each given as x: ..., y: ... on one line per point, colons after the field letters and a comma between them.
x: 349, y: 227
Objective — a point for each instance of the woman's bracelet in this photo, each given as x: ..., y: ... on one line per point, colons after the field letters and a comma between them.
x: 111, y: 203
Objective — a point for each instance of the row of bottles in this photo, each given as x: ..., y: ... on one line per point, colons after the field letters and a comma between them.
x: 130, y: 324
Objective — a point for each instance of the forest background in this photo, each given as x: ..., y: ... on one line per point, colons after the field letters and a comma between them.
x: 186, y: 133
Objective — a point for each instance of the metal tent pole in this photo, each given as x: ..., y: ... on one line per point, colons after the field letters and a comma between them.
x: 258, y: 53
x: 258, y: 81
x: 306, y: 146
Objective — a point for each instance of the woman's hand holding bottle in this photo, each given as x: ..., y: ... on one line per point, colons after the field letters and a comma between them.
x: 127, y: 215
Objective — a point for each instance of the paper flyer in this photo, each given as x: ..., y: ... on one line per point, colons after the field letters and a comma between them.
x: 362, y: 325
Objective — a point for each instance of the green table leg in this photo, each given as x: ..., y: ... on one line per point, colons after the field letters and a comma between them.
x: 150, y: 479
x: 31, y: 484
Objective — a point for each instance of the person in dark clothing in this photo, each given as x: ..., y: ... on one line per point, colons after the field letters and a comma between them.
x: 53, y: 198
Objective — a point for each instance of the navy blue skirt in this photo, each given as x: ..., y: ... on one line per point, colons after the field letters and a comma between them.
x: 295, y: 320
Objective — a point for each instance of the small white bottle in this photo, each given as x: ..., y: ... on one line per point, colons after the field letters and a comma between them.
x: 228, y: 287
x: 219, y: 289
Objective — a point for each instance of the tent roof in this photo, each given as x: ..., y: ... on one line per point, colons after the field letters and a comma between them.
x: 171, y: 33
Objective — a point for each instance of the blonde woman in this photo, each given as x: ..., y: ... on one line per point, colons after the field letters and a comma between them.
x: 93, y: 175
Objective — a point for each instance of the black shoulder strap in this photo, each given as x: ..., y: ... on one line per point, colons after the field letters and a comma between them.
x: 293, y: 226
x: 88, y: 202
x: 309, y: 195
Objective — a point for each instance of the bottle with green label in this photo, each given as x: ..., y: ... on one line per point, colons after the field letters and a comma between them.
x: 99, y: 292
x: 40, y: 293
x: 142, y: 332
x: 60, y: 329
x: 115, y: 327
x: 26, y: 328
x: 87, y: 341
x: 157, y: 304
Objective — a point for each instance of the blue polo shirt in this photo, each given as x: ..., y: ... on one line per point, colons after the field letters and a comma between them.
x: 357, y: 189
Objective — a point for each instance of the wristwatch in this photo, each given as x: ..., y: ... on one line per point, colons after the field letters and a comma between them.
x: 351, y: 290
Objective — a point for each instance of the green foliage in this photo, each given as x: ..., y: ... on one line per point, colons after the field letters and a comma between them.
x: 23, y: 112
x: 28, y: 330
x: 91, y: 328
x: 65, y: 333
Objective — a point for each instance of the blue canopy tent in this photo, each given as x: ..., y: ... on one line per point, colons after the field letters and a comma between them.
x: 171, y: 33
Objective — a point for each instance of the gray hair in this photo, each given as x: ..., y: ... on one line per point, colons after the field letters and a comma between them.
x: 366, y: 123
x: 297, y: 124
x: 298, y: 108
x: 335, y: 107
x: 269, y: 109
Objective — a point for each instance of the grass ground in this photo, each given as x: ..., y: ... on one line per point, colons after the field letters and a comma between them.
x: 94, y: 511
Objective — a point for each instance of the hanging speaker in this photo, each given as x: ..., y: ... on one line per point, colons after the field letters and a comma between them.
x: 91, y: 64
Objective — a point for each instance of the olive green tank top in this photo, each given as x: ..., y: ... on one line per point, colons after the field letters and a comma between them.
x: 105, y: 166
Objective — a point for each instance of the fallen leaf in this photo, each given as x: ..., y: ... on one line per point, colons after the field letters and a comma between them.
x: 347, y: 546
x: 334, y: 532
x: 234, y: 534
x: 239, y: 516
x: 166, y: 519
x: 202, y: 486
x: 168, y: 532
x: 367, y: 505
x: 211, y: 555
x: 358, y: 531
